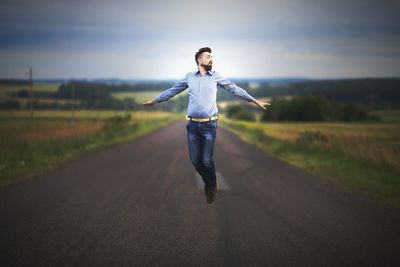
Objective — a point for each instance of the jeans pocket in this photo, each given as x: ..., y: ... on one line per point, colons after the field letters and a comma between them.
x: 211, y: 125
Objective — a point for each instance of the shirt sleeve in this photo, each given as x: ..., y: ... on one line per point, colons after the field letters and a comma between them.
x: 177, y: 88
x: 233, y: 88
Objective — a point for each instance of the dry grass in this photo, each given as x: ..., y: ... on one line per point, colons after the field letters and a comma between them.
x: 59, y: 131
x: 30, y: 146
x: 82, y: 114
x: 56, y: 125
x: 376, y: 142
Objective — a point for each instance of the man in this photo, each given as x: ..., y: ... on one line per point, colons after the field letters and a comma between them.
x: 202, y: 115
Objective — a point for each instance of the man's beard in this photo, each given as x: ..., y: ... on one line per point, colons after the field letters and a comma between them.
x: 207, y: 67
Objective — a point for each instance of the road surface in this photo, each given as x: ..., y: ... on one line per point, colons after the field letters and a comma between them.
x: 140, y: 203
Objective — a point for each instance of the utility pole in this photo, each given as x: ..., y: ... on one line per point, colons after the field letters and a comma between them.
x: 30, y: 92
x: 97, y: 104
x: 72, y: 103
x: 114, y: 106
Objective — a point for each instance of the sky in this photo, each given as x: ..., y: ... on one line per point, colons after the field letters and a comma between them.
x: 157, y: 39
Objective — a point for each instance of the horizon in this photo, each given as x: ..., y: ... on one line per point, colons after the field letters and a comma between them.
x: 254, y: 79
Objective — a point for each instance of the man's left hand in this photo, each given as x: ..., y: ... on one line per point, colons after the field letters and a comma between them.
x: 262, y: 104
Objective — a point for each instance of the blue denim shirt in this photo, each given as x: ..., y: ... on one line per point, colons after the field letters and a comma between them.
x: 203, y: 92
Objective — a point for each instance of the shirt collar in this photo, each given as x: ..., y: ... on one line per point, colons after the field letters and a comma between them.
x: 209, y: 72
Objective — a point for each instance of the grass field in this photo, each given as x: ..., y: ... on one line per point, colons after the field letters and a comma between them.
x: 37, y: 87
x: 225, y: 104
x: 388, y: 115
x: 140, y: 97
x: 29, y: 146
x: 82, y: 114
x: 6, y: 90
x: 377, y: 142
x: 363, y: 157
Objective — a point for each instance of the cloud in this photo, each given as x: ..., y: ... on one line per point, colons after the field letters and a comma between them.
x: 251, y: 37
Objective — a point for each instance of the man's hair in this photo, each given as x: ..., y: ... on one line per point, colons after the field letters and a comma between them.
x: 201, y: 50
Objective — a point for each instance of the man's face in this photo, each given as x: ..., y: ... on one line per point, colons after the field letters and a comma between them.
x: 205, y: 60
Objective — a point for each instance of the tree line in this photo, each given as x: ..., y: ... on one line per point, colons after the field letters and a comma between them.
x: 373, y: 93
x: 376, y: 93
x: 305, y: 108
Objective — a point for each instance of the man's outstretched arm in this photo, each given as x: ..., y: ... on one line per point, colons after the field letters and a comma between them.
x: 167, y: 94
x: 240, y: 92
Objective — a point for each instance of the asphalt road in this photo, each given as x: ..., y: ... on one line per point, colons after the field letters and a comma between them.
x: 140, y: 204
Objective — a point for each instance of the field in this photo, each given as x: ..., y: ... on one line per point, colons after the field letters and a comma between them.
x: 225, y: 104
x: 7, y: 89
x: 388, y: 115
x: 82, y: 114
x: 377, y: 142
x: 42, y: 87
x: 29, y: 146
x: 140, y: 97
x: 364, y: 157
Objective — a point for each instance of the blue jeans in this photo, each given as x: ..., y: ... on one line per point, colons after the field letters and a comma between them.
x: 201, y: 138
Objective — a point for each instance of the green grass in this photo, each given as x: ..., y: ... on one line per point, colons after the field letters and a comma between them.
x: 379, y: 181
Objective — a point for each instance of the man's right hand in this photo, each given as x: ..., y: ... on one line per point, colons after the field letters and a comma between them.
x: 149, y: 103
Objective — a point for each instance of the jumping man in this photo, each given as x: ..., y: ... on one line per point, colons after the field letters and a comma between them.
x: 202, y: 114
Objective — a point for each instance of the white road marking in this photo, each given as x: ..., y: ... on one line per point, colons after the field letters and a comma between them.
x: 220, y: 178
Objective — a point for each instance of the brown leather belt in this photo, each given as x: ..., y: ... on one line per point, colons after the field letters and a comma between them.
x: 212, y: 118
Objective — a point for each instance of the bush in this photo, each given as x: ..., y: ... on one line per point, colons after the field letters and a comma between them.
x: 233, y: 110
x: 10, y: 104
x: 245, y: 115
x: 23, y: 93
x: 240, y: 113
x: 300, y: 108
x: 355, y: 112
